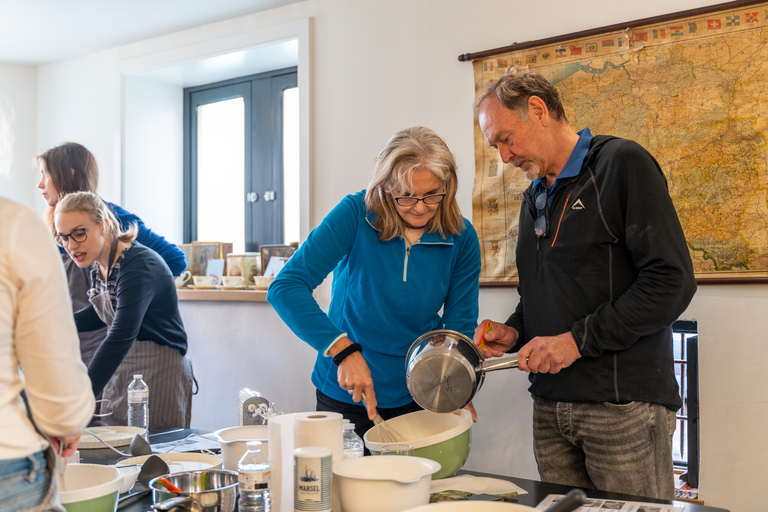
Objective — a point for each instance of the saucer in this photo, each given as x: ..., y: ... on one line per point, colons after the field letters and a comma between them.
x: 262, y: 288
x: 202, y: 287
x: 243, y: 287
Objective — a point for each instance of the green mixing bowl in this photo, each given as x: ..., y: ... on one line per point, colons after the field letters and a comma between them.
x: 90, y: 488
x: 444, y: 438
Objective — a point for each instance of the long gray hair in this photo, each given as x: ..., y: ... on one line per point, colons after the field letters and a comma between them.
x: 407, y: 151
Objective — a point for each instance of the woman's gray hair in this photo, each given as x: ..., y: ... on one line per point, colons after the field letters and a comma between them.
x: 407, y: 151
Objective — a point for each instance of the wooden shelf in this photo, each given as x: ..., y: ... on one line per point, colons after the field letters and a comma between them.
x: 223, y: 295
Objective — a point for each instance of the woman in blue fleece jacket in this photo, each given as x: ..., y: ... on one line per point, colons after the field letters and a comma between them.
x: 404, y: 262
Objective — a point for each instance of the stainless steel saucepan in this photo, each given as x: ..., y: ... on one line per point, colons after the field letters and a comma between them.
x: 210, y: 490
x: 444, y: 370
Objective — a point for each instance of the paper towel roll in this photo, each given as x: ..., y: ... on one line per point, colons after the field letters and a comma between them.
x: 298, y: 430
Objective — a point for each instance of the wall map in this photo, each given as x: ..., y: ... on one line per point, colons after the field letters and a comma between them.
x: 694, y: 92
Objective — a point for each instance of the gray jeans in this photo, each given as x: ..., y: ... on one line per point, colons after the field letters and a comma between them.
x: 624, y: 448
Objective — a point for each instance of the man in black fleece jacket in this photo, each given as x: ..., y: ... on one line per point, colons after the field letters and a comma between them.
x: 604, y: 270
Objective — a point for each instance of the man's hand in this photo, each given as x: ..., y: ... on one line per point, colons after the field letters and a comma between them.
x: 471, y: 409
x: 498, y: 339
x: 548, y: 354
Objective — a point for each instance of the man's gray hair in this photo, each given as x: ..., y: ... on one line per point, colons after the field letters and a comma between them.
x: 514, y: 88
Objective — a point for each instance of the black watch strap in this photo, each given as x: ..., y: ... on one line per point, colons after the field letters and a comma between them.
x: 338, y: 358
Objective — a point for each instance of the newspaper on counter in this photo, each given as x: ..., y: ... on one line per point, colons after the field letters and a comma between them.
x: 605, y: 505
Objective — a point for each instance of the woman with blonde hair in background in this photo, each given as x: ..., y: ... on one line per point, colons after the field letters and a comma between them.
x: 133, y: 293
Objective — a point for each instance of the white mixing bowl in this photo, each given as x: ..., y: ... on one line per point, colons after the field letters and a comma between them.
x: 130, y: 474
x: 388, y: 483
x: 233, y: 441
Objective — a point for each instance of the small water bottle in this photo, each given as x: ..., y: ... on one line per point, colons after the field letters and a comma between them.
x: 254, y: 479
x: 138, y: 404
x: 353, y: 445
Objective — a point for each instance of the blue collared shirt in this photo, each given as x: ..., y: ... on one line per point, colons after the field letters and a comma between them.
x: 571, y: 169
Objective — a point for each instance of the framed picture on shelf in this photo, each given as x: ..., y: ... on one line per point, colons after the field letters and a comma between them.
x: 202, y: 252
x: 282, y: 251
x: 187, y: 250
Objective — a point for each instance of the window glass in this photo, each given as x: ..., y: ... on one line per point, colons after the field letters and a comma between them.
x: 220, y: 172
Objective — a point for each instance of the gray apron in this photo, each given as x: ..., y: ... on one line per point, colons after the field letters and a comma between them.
x: 168, y: 374
x: 79, y: 284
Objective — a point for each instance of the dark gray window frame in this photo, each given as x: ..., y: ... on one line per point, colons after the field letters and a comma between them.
x: 262, y: 94
x: 690, y: 394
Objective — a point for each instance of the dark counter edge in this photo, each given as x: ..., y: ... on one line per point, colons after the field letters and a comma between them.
x: 537, y: 491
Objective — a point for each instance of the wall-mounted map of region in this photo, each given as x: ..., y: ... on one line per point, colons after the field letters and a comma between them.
x: 694, y: 92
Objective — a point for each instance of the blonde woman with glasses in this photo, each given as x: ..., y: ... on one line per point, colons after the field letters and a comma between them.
x: 134, y: 294
x: 404, y: 262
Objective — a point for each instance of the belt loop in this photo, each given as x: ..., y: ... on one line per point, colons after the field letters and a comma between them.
x: 35, y: 468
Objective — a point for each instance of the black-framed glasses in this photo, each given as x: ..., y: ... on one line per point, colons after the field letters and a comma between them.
x: 78, y: 235
x: 541, y: 224
x: 413, y: 201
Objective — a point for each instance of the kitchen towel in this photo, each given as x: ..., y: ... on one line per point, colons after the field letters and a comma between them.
x: 475, y: 485
x: 299, y: 430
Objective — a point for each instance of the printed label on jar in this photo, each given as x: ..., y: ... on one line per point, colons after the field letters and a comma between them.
x: 309, y: 485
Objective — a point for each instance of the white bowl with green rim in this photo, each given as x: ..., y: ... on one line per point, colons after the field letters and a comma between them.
x: 90, y: 488
x: 443, y: 437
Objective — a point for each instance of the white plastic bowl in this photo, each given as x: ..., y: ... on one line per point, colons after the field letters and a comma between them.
x: 130, y: 474
x: 472, y: 506
x: 389, y: 483
x: 233, y: 441
x: 90, y: 488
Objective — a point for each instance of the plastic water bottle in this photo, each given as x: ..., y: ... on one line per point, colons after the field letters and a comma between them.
x: 254, y: 477
x: 353, y: 445
x: 138, y: 404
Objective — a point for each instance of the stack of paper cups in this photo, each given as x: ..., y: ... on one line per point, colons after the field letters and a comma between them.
x: 312, y: 473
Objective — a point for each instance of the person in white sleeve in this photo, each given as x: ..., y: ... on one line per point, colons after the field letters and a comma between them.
x: 40, y: 356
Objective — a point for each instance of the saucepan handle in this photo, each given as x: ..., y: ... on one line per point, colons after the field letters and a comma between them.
x: 493, y: 365
x: 182, y: 503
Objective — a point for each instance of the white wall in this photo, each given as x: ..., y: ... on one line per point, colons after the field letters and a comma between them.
x: 380, y: 66
x: 153, y: 157
x: 18, y: 108
x: 78, y: 101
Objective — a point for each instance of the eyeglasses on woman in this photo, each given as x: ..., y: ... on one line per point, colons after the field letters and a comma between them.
x: 413, y: 201
x: 78, y: 235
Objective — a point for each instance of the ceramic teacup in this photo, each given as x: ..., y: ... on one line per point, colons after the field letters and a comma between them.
x: 183, y: 279
x: 203, y: 280
x: 262, y: 281
x: 232, y: 281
